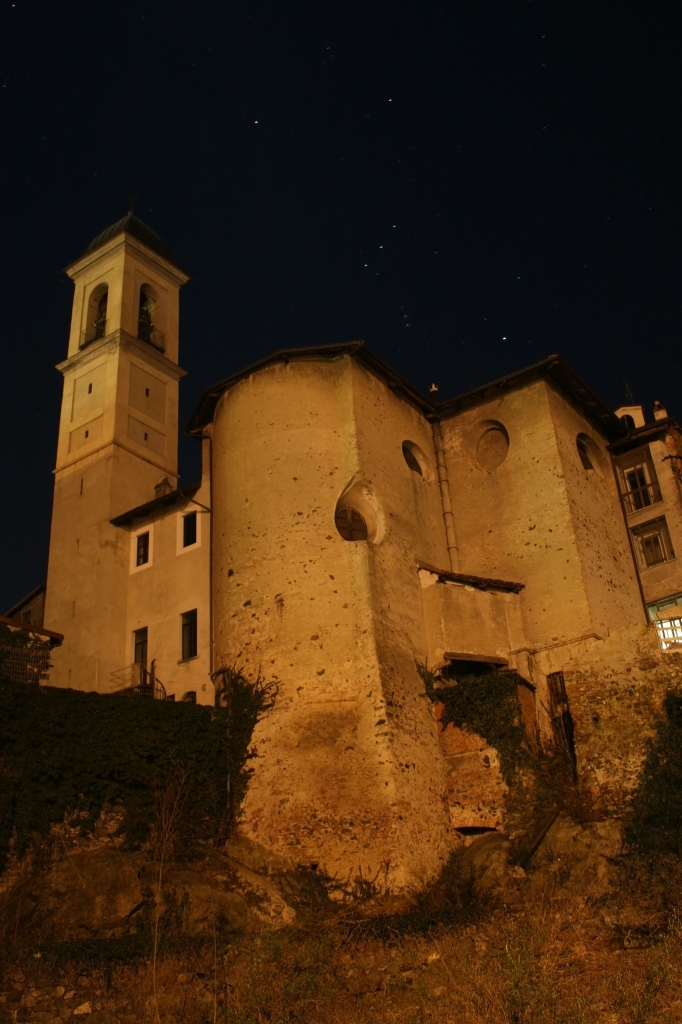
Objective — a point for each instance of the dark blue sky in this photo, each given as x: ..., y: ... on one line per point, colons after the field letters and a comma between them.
x: 468, y: 187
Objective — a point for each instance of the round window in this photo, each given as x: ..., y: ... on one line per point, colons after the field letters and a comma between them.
x: 493, y: 445
x: 350, y: 524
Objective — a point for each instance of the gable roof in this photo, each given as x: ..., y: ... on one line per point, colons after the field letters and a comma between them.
x: 553, y: 369
x: 203, y: 412
x: 566, y: 382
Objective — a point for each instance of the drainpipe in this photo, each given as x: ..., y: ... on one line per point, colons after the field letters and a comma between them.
x: 448, y: 518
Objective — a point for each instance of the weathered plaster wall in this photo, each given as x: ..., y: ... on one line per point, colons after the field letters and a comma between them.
x: 411, y: 506
x: 461, y: 619
x: 514, y: 522
x: 518, y: 521
x: 602, y: 546
x: 295, y: 601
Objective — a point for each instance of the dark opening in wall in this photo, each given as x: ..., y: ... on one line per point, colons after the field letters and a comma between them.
x: 562, y: 720
x: 189, y: 529
x: 189, y: 634
x: 411, y: 458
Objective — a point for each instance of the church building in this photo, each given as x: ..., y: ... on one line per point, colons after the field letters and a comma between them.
x: 348, y: 529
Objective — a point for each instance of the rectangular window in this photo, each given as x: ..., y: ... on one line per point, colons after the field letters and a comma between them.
x: 669, y: 633
x: 142, y: 549
x: 189, y: 529
x: 652, y: 543
x: 140, y: 657
x: 637, y: 480
x: 189, y: 634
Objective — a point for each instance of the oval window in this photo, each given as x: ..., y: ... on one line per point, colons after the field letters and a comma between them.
x: 350, y: 524
x: 493, y: 446
x: 411, y: 458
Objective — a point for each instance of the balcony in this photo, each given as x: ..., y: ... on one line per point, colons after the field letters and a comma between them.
x: 93, y: 332
x: 641, y: 497
x: 151, y: 335
x: 137, y: 681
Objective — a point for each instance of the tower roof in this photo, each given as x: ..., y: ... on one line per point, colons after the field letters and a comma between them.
x: 132, y: 225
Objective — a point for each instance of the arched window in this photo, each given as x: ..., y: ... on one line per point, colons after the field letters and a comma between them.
x: 350, y: 524
x: 584, y: 454
x: 95, y: 320
x: 101, y: 318
x: 144, y: 318
x: 627, y: 419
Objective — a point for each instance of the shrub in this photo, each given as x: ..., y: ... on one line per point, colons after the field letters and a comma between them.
x: 64, y: 752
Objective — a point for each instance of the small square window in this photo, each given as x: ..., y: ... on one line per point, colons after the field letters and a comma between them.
x: 189, y: 634
x: 189, y: 529
x: 142, y: 549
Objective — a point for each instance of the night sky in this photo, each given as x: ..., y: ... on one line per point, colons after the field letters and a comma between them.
x: 469, y: 187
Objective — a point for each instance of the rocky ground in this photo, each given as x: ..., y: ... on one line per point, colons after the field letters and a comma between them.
x: 566, y: 940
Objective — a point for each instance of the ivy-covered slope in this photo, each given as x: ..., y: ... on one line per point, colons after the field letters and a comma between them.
x: 64, y: 751
x: 654, y: 824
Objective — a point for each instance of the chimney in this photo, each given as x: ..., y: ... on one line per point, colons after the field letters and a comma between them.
x: 660, y: 411
x: 163, y: 487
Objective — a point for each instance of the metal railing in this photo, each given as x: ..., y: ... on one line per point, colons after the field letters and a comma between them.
x: 641, y: 497
x: 25, y: 664
x: 93, y: 332
x: 138, y: 681
x: 149, y: 333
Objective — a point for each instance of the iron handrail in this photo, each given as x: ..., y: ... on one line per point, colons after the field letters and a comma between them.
x: 641, y: 497
x: 93, y: 332
x: 151, y: 335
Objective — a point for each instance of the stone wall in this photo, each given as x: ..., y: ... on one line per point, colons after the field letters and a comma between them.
x: 615, y: 690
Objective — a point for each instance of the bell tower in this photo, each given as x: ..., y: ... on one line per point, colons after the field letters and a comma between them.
x: 118, y: 437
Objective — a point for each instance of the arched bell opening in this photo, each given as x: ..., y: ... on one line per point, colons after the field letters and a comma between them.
x: 96, y: 323
x: 147, y: 314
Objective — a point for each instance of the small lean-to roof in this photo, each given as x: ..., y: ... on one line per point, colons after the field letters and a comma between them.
x: 150, y: 507
x: 655, y: 431
x: 477, y: 582
x: 203, y: 413
x: 555, y: 370
x: 55, y: 639
x: 132, y: 225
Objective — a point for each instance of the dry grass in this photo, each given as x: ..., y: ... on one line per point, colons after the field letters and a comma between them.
x: 545, y: 958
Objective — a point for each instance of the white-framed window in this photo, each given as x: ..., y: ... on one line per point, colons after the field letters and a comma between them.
x: 669, y: 633
x: 637, y: 480
x: 652, y: 542
x: 142, y: 548
x: 189, y: 529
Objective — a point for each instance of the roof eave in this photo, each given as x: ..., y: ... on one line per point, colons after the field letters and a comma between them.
x: 556, y: 371
x: 205, y: 408
x: 147, y: 510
